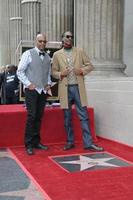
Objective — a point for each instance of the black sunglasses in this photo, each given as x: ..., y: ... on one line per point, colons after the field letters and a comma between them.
x: 42, y: 41
x: 69, y: 36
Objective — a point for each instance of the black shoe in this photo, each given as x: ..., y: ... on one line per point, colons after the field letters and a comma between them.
x: 94, y: 147
x: 68, y: 146
x: 29, y: 151
x: 41, y: 146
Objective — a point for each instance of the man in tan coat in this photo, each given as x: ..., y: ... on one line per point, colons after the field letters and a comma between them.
x: 70, y: 65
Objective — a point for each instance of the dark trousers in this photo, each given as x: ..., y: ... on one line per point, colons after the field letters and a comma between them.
x: 35, y: 104
x: 74, y: 97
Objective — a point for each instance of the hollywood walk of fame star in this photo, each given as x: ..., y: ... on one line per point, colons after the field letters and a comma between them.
x: 87, y: 162
x: 31, y: 193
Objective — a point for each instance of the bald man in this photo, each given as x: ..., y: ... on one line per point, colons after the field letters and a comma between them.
x: 34, y: 71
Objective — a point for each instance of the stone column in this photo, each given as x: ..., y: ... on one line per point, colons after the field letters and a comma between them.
x: 15, y: 38
x: 99, y: 30
x: 30, y: 21
x: 56, y: 17
x: 4, y: 33
x: 15, y: 30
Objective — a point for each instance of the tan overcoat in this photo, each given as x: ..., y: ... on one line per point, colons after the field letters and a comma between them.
x: 59, y: 63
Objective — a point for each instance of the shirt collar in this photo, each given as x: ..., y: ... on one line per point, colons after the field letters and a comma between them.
x: 37, y: 50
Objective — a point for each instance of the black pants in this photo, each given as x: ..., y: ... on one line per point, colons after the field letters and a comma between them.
x: 35, y: 104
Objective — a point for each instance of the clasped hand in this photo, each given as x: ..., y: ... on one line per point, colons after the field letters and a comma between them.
x: 76, y: 71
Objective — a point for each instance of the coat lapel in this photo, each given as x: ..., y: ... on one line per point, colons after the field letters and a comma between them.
x: 63, y: 56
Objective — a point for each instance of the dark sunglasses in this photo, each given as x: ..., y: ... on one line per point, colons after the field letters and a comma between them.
x: 42, y: 41
x: 69, y: 36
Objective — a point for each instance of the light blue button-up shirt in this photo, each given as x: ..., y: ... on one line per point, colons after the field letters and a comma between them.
x: 23, y: 64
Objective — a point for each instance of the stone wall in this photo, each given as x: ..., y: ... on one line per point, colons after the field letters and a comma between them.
x: 112, y: 99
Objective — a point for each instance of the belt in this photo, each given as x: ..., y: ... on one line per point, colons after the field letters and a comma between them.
x: 73, y: 85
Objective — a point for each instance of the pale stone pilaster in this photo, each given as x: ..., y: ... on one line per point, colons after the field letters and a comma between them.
x: 30, y: 20
x: 15, y: 38
x: 99, y: 29
x: 4, y: 33
x: 14, y: 8
x: 15, y: 29
x: 56, y: 17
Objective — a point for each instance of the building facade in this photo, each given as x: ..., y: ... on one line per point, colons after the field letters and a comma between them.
x: 104, y: 29
x: 97, y: 27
